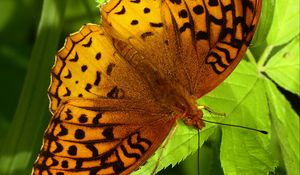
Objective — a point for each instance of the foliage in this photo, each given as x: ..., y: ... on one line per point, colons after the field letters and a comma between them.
x: 252, y: 96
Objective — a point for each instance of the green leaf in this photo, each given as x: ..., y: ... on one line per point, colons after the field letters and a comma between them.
x: 265, y: 22
x: 246, y: 152
x: 182, y: 143
x: 242, y: 151
x: 286, y: 125
x: 285, y: 25
x: 284, y: 67
x: 24, y: 136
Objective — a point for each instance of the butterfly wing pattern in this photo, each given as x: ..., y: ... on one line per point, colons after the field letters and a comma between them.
x: 186, y: 40
x: 96, y: 128
x: 117, y: 89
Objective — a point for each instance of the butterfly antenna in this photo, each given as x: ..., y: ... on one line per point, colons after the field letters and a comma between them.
x: 237, y: 126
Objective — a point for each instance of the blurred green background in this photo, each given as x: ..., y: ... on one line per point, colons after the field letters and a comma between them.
x: 35, y: 29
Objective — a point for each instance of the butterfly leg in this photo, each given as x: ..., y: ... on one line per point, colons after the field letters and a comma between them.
x: 211, y: 111
x: 163, y: 148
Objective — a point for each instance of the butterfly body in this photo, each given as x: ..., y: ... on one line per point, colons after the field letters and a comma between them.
x: 167, y: 92
x: 117, y: 89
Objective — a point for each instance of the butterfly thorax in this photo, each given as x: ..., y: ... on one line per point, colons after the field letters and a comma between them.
x: 179, y: 101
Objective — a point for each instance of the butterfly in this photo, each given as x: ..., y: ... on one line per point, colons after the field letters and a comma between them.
x: 118, y: 89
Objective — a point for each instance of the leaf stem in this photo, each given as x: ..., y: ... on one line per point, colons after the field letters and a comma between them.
x: 263, y: 58
x: 250, y: 56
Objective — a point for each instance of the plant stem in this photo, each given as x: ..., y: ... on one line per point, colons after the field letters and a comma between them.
x: 250, y: 56
x: 262, y: 60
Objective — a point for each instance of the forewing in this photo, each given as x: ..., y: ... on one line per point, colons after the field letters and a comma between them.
x: 197, y: 43
x: 88, y: 66
x: 139, y: 33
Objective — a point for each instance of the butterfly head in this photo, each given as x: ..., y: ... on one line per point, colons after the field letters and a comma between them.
x: 190, y: 113
x: 194, y: 119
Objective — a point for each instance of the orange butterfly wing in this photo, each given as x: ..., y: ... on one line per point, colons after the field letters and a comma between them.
x: 101, y: 137
x: 89, y: 67
x: 196, y: 43
x: 103, y: 121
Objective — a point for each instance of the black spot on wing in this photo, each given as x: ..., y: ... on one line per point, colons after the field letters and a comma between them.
x: 59, y: 148
x: 183, y: 13
x: 110, y: 68
x: 88, y: 87
x: 202, y: 35
x: 63, y: 131
x: 121, y: 12
x: 88, y: 44
x: 146, y: 10
x: 134, y: 22
x: 75, y: 59
x: 79, y: 134
x: 185, y: 26
x: 98, y: 78
x: 72, y: 150
x: 83, y: 118
x: 84, y: 68
x: 68, y: 93
x: 198, y: 10
x: 69, y: 115
x: 116, y: 93
x: 146, y: 34
x: 152, y: 24
x: 108, y: 133
x: 98, y: 56
x: 65, y: 164
x: 69, y: 75
x: 97, y: 118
